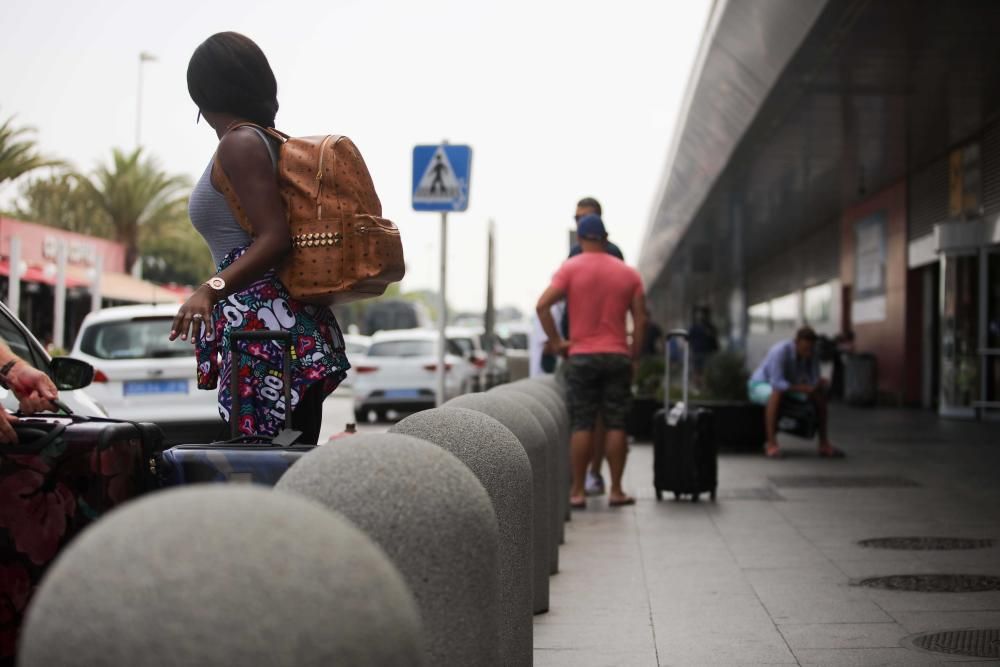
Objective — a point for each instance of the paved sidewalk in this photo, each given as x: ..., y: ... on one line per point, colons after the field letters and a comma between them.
x: 764, y: 576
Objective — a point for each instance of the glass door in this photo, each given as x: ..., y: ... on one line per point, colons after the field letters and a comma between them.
x: 960, y: 360
x: 989, y: 332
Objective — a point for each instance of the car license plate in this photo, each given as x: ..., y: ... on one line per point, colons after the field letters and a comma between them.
x: 147, y: 387
x: 402, y: 393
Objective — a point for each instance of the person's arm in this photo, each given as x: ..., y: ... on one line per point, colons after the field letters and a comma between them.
x: 552, y: 295
x: 247, y: 163
x: 775, y: 370
x: 640, y: 321
x: 34, y: 390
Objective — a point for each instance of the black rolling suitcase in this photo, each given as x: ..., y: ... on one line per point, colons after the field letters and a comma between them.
x: 63, y: 474
x: 685, y: 458
x: 247, y: 459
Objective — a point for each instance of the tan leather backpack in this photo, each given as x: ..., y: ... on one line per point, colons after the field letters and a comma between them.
x: 342, y: 248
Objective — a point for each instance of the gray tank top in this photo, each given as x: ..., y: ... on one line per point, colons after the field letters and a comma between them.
x: 210, y: 213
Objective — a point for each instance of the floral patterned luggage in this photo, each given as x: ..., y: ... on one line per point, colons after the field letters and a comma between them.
x: 64, y: 473
x: 256, y: 459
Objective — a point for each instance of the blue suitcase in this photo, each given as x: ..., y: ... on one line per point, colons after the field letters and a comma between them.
x: 248, y: 459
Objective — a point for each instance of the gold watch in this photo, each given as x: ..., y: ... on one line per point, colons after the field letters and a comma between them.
x: 216, y: 283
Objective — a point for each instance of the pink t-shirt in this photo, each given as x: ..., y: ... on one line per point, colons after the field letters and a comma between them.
x: 599, y: 290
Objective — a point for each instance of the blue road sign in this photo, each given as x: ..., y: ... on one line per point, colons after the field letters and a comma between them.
x: 441, y: 177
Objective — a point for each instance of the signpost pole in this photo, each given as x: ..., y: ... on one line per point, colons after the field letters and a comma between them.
x: 442, y: 311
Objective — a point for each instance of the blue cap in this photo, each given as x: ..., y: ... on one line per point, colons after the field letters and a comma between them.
x: 591, y: 227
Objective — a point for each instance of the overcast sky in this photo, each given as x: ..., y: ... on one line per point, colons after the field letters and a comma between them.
x: 559, y: 100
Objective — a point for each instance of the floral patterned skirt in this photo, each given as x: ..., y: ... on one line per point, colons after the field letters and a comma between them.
x: 317, y: 352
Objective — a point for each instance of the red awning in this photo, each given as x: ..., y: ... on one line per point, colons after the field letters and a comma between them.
x: 36, y: 275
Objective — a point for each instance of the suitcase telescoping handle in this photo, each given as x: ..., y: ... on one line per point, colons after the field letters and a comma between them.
x: 283, y: 337
x: 683, y: 334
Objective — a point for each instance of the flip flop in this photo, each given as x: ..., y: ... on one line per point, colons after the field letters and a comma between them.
x: 621, y: 502
x: 831, y: 452
x: 578, y: 503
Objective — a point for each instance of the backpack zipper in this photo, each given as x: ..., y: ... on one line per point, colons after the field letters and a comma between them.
x: 319, y: 177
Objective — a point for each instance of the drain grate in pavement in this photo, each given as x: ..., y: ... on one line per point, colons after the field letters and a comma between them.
x: 934, y: 583
x: 977, y: 642
x: 926, y: 543
x: 840, y: 481
x: 754, y: 493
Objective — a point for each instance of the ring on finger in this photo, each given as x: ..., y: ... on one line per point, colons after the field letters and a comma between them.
x: 197, y: 316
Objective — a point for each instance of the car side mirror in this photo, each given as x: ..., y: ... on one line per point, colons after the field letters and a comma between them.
x: 68, y: 373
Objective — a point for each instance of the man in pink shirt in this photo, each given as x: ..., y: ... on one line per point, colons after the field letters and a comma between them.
x: 600, y: 290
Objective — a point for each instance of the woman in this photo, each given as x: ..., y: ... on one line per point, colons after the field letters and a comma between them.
x: 231, y: 81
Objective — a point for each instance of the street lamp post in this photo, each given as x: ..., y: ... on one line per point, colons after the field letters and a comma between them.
x: 144, y: 57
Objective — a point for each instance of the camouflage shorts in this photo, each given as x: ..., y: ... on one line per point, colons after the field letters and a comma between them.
x: 599, y: 384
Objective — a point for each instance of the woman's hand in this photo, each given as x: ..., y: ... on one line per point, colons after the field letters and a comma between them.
x: 195, y: 316
x: 34, y: 389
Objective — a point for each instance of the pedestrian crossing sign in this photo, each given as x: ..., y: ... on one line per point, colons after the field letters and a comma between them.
x: 441, y: 177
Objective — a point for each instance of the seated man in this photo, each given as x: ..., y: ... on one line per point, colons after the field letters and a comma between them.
x: 791, y: 371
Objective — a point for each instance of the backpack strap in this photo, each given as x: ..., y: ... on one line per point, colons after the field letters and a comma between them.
x: 225, y: 185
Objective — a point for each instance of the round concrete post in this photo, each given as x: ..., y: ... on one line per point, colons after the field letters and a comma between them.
x: 557, y: 466
x: 557, y: 408
x: 220, y: 575
x: 529, y: 433
x: 435, y: 521
x: 499, y: 462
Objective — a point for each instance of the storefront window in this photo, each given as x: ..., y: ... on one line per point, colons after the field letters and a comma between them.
x: 818, y: 304
x: 760, y: 318
x: 959, y: 329
x: 785, y: 311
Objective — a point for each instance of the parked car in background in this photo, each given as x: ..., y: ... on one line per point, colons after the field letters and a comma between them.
x: 22, y: 343
x: 141, y: 375
x: 356, y: 347
x: 469, y: 342
x: 399, y: 373
x: 392, y: 314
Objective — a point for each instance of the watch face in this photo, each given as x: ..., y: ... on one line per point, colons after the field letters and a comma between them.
x: 217, y: 283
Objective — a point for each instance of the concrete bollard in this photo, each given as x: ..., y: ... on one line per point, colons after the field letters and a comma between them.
x: 529, y: 433
x: 220, y: 575
x: 553, y: 399
x: 557, y: 464
x: 559, y: 411
x: 435, y: 521
x: 500, y: 463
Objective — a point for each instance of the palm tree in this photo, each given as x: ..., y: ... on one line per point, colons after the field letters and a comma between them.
x: 18, y: 153
x: 62, y: 200
x: 137, y: 197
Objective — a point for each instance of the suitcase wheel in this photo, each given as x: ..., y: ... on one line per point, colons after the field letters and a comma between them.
x: 712, y: 495
x: 659, y: 495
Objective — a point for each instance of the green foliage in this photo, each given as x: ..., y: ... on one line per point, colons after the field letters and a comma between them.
x: 726, y: 376
x: 18, y: 153
x: 138, y: 198
x: 176, y: 253
x: 649, y: 377
x: 61, y: 200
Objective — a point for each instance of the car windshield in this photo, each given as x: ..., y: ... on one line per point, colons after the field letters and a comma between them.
x: 464, y: 344
x: 402, y: 348
x: 140, y: 338
x: 518, y: 341
x: 356, y: 348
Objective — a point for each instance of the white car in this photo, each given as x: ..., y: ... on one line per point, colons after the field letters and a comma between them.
x: 139, y: 374
x: 399, y: 373
x: 470, y: 342
x: 22, y: 343
x: 356, y: 347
